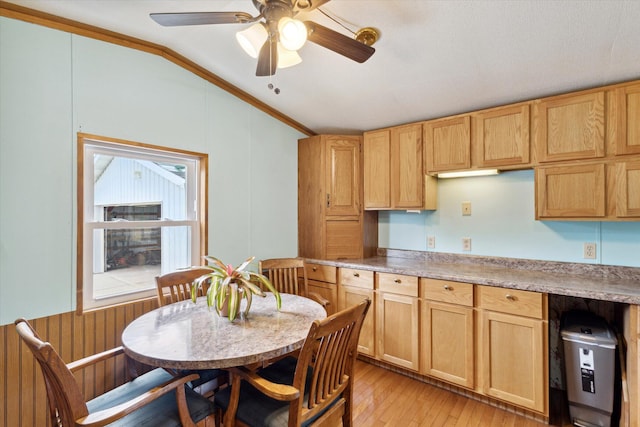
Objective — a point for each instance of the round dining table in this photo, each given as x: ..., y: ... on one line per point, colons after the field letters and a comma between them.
x: 188, y: 335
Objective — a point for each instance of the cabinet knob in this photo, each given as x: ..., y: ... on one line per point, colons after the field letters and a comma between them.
x: 447, y: 288
x: 510, y: 297
x: 398, y: 281
x: 356, y: 274
x: 315, y: 269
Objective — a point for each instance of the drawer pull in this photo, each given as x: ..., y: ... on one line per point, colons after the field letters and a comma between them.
x: 356, y: 274
x: 315, y: 269
x: 510, y: 297
x: 398, y: 281
x: 447, y: 288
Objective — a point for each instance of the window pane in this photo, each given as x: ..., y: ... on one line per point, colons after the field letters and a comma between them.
x: 120, y: 181
x: 128, y: 260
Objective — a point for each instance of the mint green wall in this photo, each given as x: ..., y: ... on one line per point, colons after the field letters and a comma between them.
x: 502, y: 224
x: 53, y: 85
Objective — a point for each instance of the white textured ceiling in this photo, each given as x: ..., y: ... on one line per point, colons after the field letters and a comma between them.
x: 434, y: 58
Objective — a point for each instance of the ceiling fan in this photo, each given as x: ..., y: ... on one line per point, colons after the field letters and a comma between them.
x: 276, y: 22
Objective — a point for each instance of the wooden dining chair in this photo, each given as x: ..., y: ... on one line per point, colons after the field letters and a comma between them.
x: 155, y: 398
x: 316, y: 389
x: 289, y: 276
x: 174, y: 287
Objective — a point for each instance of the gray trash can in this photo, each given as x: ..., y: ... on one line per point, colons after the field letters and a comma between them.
x: 590, y: 360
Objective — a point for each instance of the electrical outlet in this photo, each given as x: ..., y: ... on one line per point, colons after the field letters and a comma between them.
x: 466, y: 244
x: 431, y: 242
x: 466, y: 208
x: 589, y: 251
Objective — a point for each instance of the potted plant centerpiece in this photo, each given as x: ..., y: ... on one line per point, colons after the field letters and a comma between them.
x: 230, y: 285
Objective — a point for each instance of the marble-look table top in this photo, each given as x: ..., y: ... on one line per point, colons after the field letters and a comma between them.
x: 607, y: 283
x: 185, y: 335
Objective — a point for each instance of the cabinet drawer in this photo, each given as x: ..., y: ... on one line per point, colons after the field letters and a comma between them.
x: 512, y: 301
x: 321, y: 273
x: 357, y: 278
x: 398, y: 284
x: 446, y: 291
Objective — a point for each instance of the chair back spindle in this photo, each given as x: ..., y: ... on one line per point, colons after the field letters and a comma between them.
x: 176, y: 286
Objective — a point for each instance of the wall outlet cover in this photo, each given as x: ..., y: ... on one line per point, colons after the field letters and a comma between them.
x: 466, y: 244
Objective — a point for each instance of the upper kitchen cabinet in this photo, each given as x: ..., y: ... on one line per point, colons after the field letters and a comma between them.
x: 447, y: 144
x: 575, y: 191
x: 624, y: 129
x: 342, y: 177
x: 393, y: 170
x: 570, y: 127
x: 331, y: 221
x: 627, y: 189
x: 377, y: 175
x: 501, y: 138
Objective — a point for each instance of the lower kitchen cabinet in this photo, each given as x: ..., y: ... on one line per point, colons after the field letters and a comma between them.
x: 397, y: 317
x: 513, y: 364
x: 354, y: 286
x: 447, y: 331
x: 321, y: 279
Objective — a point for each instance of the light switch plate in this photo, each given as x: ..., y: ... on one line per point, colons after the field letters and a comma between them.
x: 466, y: 208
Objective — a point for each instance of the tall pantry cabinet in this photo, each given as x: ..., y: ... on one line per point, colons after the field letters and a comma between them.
x: 332, y: 223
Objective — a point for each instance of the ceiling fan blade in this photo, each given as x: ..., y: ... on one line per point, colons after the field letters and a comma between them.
x: 201, y: 18
x: 268, y: 58
x: 339, y: 43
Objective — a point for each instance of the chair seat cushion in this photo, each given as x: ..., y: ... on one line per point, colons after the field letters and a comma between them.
x: 162, y: 412
x: 258, y: 410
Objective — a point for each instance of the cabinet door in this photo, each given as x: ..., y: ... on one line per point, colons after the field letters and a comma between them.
x: 376, y: 147
x: 343, y: 238
x: 514, y: 368
x: 628, y: 189
x: 570, y: 127
x: 349, y: 296
x: 448, y: 144
x: 576, y: 191
x: 328, y: 291
x: 626, y: 111
x: 397, y: 329
x: 342, y: 175
x: 501, y: 136
x: 407, y: 187
x: 447, y: 343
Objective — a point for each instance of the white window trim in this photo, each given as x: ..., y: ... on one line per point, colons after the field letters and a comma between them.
x: 88, y: 145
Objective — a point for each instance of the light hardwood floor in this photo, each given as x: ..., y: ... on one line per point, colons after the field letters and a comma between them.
x: 385, y: 398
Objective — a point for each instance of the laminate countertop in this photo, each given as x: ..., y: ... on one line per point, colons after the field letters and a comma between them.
x: 594, y: 281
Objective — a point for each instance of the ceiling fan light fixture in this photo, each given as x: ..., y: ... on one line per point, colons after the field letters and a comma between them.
x: 293, y: 33
x: 252, y: 39
x: 287, y: 58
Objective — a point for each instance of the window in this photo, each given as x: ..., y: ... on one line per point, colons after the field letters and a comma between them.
x: 141, y: 213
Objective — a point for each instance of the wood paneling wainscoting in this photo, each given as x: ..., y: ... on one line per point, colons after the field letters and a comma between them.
x: 23, y: 398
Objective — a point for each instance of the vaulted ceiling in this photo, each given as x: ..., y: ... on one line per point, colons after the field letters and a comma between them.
x: 433, y: 59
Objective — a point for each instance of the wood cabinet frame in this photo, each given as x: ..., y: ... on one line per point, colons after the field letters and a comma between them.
x: 502, y: 363
x: 571, y: 191
x: 570, y: 127
x: 447, y: 144
x: 447, y: 343
x: 501, y: 137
